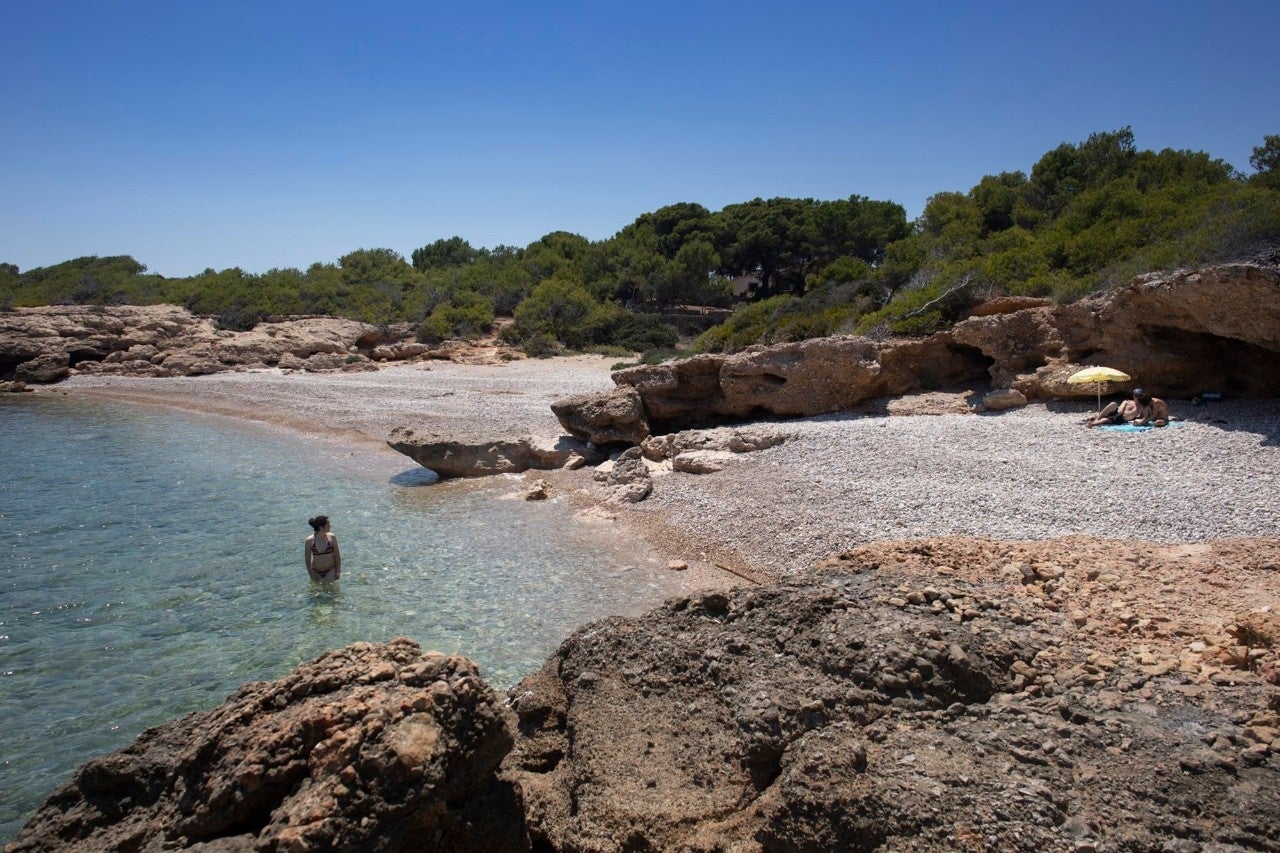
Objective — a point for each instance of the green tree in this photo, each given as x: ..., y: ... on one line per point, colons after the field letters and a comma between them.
x: 995, y: 197
x: 557, y: 307
x: 451, y: 252
x: 469, y: 315
x: 1266, y: 159
x: 1068, y: 170
x: 375, y: 266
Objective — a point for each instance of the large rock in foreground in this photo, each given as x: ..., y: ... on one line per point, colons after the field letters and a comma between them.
x: 373, y: 747
x: 934, y: 695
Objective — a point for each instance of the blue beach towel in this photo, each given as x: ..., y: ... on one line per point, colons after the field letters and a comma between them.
x: 1136, y: 428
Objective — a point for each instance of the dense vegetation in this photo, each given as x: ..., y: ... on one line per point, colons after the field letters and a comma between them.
x: 1089, y: 215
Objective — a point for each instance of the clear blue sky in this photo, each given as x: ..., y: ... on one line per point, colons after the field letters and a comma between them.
x: 271, y: 134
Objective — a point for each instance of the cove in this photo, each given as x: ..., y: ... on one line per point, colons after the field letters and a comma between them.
x: 151, y: 562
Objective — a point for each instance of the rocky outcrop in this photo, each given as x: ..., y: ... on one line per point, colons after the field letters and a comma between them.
x: 479, y: 455
x: 1177, y: 334
x: 810, y: 377
x: 933, y: 695
x: 615, y: 417
x: 941, y: 694
x: 627, y: 480
x: 701, y: 461
x: 745, y: 439
x: 1002, y: 399
x: 44, y: 345
x: 372, y: 747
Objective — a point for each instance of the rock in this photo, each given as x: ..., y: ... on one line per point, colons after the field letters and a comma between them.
x: 628, y: 480
x: 827, y: 710
x: 481, y: 454
x: 1002, y: 399
x: 473, y: 352
x: 399, y: 351
x: 746, y: 439
x: 375, y: 746
x: 798, y: 379
x: 45, y: 344
x: 13, y: 387
x: 608, y: 417
x: 701, y: 461
x: 677, y: 565
x: 46, y: 367
x: 1008, y: 305
x: 540, y: 490
x: 324, y: 361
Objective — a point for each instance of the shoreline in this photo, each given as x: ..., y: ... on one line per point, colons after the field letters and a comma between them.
x: 840, y: 482
x: 436, y: 395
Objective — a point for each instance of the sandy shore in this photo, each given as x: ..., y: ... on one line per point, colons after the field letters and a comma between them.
x: 839, y: 482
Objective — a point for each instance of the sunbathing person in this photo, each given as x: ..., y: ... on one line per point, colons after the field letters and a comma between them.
x: 1123, y: 412
x: 1153, y: 410
x: 1141, y: 410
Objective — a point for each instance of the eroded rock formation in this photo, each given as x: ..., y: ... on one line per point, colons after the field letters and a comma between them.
x: 47, y: 344
x: 482, y: 454
x: 936, y: 695
x: 1180, y: 334
x: 372, y: 747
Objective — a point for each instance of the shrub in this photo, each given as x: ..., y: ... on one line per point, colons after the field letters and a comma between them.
x: 468, y: 320
x: 609, y: 350
x: 541, y: 345
x: 637, y: 332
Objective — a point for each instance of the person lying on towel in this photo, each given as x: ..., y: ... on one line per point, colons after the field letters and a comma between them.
x: 1142, y: 410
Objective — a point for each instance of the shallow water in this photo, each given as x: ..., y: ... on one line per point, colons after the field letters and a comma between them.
x: 151, y: 562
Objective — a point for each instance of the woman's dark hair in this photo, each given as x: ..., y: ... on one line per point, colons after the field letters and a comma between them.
x: 318, y: 522
x: 1143, y: 397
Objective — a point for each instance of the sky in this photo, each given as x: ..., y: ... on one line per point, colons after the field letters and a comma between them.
x: 281, y: 133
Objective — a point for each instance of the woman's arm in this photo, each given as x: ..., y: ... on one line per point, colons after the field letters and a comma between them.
x: 306, y: 553
x: 337, y: 557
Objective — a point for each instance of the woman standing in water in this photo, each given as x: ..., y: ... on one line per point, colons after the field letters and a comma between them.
x: 320, y: 551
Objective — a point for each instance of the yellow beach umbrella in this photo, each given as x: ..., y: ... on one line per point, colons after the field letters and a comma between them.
x: 1098, y: 376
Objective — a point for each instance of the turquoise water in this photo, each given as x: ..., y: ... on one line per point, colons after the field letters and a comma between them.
x: 151, y: 562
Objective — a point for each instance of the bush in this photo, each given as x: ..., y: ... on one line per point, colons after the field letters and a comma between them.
x: 541, y: 346
x: 471, y: 319
x: 559, y: 309
x: 638, y: 332
x: 609, y: 350
x: 237, y: 319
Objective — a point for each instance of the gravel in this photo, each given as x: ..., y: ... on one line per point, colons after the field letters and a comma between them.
x: 438, y: 395
x: 1031, y: 473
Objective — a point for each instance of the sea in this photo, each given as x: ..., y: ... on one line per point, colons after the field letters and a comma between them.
x: 151, y: 562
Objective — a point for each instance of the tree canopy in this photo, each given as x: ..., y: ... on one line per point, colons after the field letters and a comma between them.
x: 1087, y: 215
